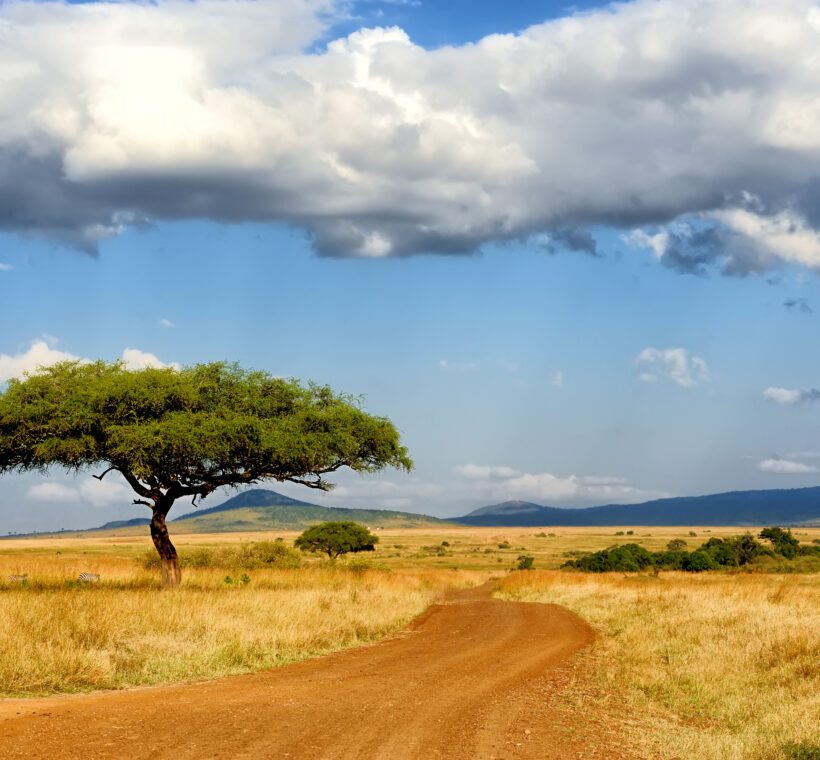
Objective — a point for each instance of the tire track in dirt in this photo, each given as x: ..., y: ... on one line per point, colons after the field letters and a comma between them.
x: 452, y: 686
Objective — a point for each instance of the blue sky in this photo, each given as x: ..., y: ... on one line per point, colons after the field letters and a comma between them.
x: 550, y: 303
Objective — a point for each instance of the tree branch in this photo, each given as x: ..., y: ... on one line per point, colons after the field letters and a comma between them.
x: 145, y: 503
x: 100, y: 477
x: 318, y: 484
x: 137, y: 486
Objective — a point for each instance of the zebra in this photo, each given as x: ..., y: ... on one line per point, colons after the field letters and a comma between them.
x: 18, y: 578
x: 88, y: 577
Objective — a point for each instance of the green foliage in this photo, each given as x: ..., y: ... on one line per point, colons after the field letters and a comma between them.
x: 188, y: 432
x: 698, y: 561
x: 525, y: 562
x: 624, y: 558
x: 802, y: 751
x: 335, y: 538
x: 735, y: 551
x: 783, y: 542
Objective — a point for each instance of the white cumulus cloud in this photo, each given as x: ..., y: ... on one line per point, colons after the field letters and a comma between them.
x: 133, y: 358
x: 785, y: 466
x: 677, y: 364
x: 702, y: 115
x: 43, y: 353
x: 40, y: 353
x: 791, y: 396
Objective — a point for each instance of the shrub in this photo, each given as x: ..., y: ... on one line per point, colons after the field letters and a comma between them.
x: 625, y: 558
x: 783, y: 542
x: 802, y: 751
x: 525, y: 562
x: 676, y: 545
x: 698, y: 561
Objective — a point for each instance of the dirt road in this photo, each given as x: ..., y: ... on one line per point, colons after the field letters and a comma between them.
x: 461, y: 683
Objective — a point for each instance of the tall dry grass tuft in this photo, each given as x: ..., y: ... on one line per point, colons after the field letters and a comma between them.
x: 723, y: 667
x: 60, y: 636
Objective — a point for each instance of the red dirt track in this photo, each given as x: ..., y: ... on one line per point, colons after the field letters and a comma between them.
x: 464, y: 682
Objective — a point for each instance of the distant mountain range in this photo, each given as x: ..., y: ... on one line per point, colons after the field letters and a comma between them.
x: 773, y: 507
x: 261, y: 509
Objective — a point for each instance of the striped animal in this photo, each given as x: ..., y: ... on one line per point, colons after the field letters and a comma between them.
x: 88, y: 577
x: 18, y: 578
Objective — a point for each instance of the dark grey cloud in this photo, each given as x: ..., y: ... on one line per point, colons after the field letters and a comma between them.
x: 570, y: 239
x: 798, y: 304
x: 694, y: 253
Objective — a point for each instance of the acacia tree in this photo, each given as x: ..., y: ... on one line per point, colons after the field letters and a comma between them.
x: 173, y: 434
x: 335, y: 538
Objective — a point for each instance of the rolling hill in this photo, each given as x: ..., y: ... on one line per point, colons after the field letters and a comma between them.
x: 772, y: 507
x: 261, y: 509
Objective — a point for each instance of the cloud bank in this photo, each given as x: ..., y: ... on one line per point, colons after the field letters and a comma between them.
x: 695, y: 122
x: 90, y: 491
x: 501, y: 483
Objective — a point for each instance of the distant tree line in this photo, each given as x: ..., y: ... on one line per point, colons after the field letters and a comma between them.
x: 735, y: 551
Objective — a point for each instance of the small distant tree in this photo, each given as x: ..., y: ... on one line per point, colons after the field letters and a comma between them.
x: 676, y: 545
x: 783, y: 542
x: 176, y: 434
x: 335, y: 538
x: 525, y: 562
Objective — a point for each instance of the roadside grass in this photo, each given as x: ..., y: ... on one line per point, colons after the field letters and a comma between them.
x: 58, y: 635
x: 720, y: 666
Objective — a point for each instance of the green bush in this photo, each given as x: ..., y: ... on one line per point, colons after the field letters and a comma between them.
x: 525, y: 562
x: 802, y: 751
x: 624, y: 558
x: 788, y: 555
x: 698, y: 561
x: 783, y: 542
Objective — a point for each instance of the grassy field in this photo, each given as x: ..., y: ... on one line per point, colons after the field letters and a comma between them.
x: 58, y: 635
x: 717, y: 665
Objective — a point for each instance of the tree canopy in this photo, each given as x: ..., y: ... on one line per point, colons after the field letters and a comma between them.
x: 335, y: 538
x: 184, y: 433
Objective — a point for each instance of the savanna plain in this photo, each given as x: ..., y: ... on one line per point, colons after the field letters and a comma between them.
x: 709, y: 665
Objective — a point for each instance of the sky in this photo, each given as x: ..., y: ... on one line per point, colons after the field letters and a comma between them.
x: 572, y: 251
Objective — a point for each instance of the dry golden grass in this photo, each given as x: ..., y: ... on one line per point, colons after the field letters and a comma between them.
x: 722, y: 667
x: 60, y: 636
x: 716, y: 665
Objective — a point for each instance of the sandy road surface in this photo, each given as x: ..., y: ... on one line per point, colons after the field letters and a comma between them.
x: 460, y: 683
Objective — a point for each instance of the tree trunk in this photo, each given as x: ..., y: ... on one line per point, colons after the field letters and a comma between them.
x: 168, y: 558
